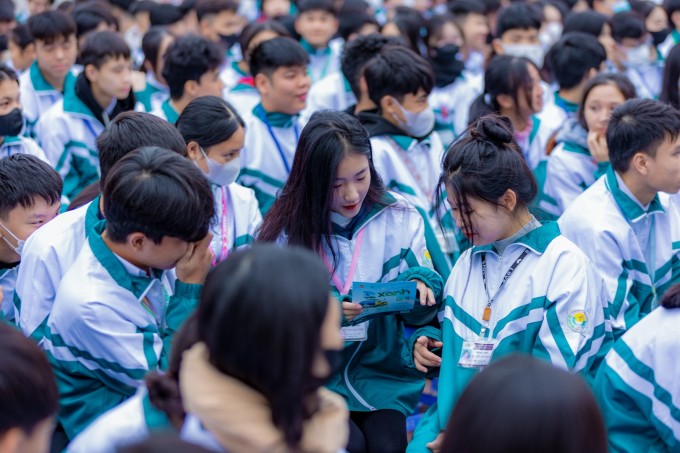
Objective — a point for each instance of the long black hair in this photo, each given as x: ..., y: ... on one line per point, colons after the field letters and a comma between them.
x: 303, y: 208
x: 671, y: 74
x: 274, y: 300
x: 208, y: 120
x: 483, y: 165
x: 532, y: 405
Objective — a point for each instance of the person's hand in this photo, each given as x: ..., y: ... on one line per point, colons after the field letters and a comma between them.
x: 194, y: 266
x: 436, y: 444
x: 351, y: 310
x: 422, y: 356
x: 426, y: 294
x: 597, y: 144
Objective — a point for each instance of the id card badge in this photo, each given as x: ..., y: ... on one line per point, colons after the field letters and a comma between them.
x: 477, y: 354
x: 355, y: 333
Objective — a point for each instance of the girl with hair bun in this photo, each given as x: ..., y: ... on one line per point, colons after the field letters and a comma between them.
x: 521, y: 288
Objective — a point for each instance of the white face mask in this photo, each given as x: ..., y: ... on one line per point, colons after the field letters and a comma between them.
x: 418, y: 124
x: 550, y: 34
x: 20, y: 242
x: 532, y: 52
x: 222, y: 174
x: 637, y: 56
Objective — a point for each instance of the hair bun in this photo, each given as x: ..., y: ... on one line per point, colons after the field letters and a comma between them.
x: 494, y: 128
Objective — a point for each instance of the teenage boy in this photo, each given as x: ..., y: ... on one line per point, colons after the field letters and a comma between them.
x: 51, y: 74
x: 576, y: 58
x: 473, y: 21
x: 279, y: 67
x: 407, y: 153
x: 51, y: 251
x: 219, y: 22
x: 672, y: 8
x: 29, y: 197
x: 636, y: 56
x: 11, y: 120
x: 191, y: 69
x: 21, y: 49
x: 316, y: 24
x: 68, y: 131
x: 133, y: 283
x: 625, y: 222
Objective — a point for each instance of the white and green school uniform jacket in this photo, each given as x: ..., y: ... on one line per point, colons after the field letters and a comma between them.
x: 551, y: 307
x: 153, y: 94
x: 646, y: 79
x: 166, y: 111
x: 556, y: 111
x: 244, y: 97
x: 330, y: 93
x: 378, y: 372
x: 570, y: 169
x: 533, y: 146
x: 230, y: 75
x: 38, y: 96
x: 21, y: 145
x: 8, y: 279
x: 68, y: 133
x: 323, y: 62
x: 412, y: 169
x: 130, y: 422
x: 268, y: 153
x: 47, y: 255
x: 624, y: 240
x: 239, y: 224
x: 638, y: 387
x: 451, y: 105
x: 109, y: 326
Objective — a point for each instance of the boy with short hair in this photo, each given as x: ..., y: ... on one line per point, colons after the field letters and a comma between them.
x: 474, y: 22
x: 11, y: 119
x: 316, y: 24
x: 219, y: 22
x: 21, y: 48
x: 625, y: 222
x: 517, y: 32
x: 279, y: 67
x: 169, y: 16
x: 68, y: 131
x: 191, y: 69
x: 29, y: 197
x: 672, y: 8
x: 51, y: 74
x: 134, y: 282
x: 575, y: 59
x: 407, y: 152
x: 637, y: 56
x: 90, y: 17
x: 51, y: 251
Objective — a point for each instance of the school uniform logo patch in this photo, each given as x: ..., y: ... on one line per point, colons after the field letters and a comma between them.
x: 577, y: 321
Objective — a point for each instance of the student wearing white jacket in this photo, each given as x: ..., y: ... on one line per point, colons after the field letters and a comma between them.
x: 51, y: 250
x: 214, y: 134
x: 523, y: 287
x: 581, y: 154
x: 56, y: 49
x: 637, y: 385
x: 133, y: 283
x: 364, y: 234
x: 623, y: 222
x: 279, y: 66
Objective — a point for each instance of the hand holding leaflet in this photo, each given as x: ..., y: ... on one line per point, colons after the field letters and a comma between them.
x: 379, y: 299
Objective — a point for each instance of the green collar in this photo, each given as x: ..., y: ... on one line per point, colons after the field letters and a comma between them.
x: 576, y: 148
x: 237, y: 69
x: 631, y: 209
x: 565, y: 105
x: 676, y: 36
x: 535, y: 126
x: 156, y: 420
x: 93, y: 215
x: 41, y: 84
x: 311, y: 50
x: 8, y: 140
x: 170, y: 113
x: 74, y: 105
x: 364, y: 217
x: 274, y: 119
x: 403, y: 141
x: 136, y: 285
x: 536, y: 240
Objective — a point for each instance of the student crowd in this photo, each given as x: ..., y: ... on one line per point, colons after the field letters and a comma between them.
x: 518, y: 161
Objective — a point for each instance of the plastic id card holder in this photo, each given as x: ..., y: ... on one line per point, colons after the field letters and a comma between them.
x: 355, y: 333
x: 477, y: 354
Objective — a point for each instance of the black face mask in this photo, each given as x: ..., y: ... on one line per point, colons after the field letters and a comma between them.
x: 4, y: 42
x: 447, y: 67
x: 660, y: 36
x: 11, y: 123
x: 228, y: 40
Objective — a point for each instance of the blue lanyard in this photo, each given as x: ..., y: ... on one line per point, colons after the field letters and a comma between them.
x: 276, y: 142
x: 91, y: 129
